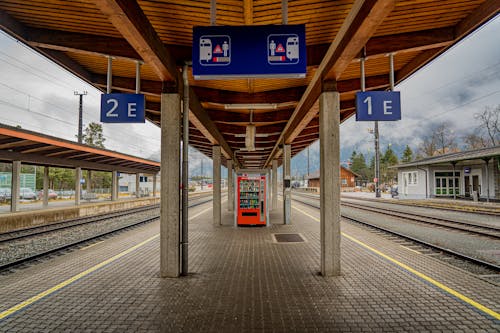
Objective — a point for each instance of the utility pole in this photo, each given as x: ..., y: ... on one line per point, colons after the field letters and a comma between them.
x: 80, y: 115
x: 202, y: 174
x: 377, y: 162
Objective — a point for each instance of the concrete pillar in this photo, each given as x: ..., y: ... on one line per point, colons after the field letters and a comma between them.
x: 137, y: 186
x: 114, y: 185
x: 154, y: 185
x: 78, y: 186
x: 329, y: 134
x: 216, y: 158
x: 274, y: 186
x: 16, y: 188
x: 230, y: 186
x: 287, y: 186
x: 170, y: 185
x: 89, y: 181
x: 45, y: 186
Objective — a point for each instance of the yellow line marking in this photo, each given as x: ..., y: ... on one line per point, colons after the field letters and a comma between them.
x: 77, y: 277
x: 87, y: 247
x: 412, y: 250
x: 424, y: 277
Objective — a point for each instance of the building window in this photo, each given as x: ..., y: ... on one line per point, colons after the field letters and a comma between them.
x: 412, y: 177
x: 344, y: 181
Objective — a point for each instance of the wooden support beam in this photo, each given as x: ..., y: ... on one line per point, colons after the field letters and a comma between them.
x: 230, y: 97
x: 129, y: 19
x: 359, y: 26
x: 200, y: 119
x: 237, y: 117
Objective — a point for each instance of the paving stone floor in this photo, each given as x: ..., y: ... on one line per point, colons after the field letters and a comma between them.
x: 242, y: 281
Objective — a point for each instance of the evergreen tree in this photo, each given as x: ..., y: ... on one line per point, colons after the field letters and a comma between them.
x: 407, y: 155
x: 92, y: 135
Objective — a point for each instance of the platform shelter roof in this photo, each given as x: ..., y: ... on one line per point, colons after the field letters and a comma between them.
x: 80, y: 35
x: 39, y: 149
x: 486, y: 153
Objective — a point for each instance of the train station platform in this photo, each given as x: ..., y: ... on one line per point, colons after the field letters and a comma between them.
x: 242, y: 280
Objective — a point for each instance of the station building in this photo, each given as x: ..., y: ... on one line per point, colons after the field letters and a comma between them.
x: 473, y: 174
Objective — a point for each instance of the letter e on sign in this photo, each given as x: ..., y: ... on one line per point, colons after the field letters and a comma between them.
x: 122, y: 108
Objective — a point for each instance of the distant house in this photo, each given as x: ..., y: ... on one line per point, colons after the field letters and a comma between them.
x: 464, y: 174
x: 347, y: 178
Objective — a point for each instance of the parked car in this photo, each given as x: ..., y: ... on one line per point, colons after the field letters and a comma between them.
x: 27, y: 194
x: 52, y: 194
x: 5, y: 194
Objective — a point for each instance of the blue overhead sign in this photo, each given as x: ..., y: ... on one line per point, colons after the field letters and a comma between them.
x: 378, y: 105
x: 122, y: 108
x: 249, y: 51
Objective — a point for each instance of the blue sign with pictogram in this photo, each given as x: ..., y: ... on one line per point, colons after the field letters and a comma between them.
x: 122, y: 108
x: 378, y: 106
x: 283, y: 49
x: 249, y: 51
x: 215, y: 50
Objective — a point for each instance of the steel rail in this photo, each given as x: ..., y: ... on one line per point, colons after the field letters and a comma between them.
x: 433, y: 246
x: 78, y: 242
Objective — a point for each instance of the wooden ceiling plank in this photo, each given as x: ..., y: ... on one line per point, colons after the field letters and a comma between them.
x: 82, y: 43
x: 129, y: 19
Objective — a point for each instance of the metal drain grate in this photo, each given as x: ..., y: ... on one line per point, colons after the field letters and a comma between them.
x: 288, y: 238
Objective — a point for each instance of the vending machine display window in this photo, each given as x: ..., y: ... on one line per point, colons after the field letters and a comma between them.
x: 251, y: 199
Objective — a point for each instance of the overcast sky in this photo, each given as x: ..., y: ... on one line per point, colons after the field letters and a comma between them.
x: 39, y: 96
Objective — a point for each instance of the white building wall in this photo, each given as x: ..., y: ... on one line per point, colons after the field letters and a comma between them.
x: 411, y: 186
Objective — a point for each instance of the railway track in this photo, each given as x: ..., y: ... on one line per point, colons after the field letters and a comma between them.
x: 33, y: 233
x: 39, y: 230
x: 490, y: 266
x: 467, y: 227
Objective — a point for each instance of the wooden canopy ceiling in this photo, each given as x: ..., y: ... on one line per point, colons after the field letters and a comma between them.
x: 79, y: 35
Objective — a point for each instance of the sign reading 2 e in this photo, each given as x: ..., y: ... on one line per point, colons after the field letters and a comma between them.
x: 378, y: 105
x: 122, y: 108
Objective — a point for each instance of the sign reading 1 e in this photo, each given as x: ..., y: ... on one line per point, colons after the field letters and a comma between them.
x: 378, y: 105
x: 122, y: 108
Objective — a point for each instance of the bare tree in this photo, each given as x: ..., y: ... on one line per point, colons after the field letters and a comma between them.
x: 489, y: 124
x: 441, y: 140
x: 474, y: 141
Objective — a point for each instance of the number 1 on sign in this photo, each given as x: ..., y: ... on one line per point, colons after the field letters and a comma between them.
x: 368, y: 100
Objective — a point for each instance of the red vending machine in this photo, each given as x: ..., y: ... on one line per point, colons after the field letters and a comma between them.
x: 251, y: 198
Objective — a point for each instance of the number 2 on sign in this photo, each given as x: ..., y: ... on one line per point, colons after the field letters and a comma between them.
x: 113, y: 108
x: 368, y: 100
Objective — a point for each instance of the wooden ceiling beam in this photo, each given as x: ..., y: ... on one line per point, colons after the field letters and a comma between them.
x: 129, y: 19
x: 486, y: 11
x: 230, y: 97
x: 82, y: 43
x: 359, y: 26
x: 22, y: 33
x: 97, y: 45
x: 229, y: 117
x: 201, y: 120
x: 362, y: 24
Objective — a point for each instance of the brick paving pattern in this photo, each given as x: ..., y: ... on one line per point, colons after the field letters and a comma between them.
x: 242, y: 281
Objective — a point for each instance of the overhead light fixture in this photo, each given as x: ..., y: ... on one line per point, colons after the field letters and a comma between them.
x: 253, y: 106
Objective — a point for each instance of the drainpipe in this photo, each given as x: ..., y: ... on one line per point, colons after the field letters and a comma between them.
x: 454, y: 194
x: 185, y: 166
x: 426, y: 181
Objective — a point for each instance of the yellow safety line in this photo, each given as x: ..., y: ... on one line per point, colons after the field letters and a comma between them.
x: 449, y: 290
x: 77, y: 277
